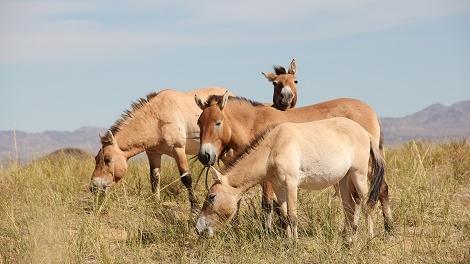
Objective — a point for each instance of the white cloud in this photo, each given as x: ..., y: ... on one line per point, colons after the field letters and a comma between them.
x: 64, y: 30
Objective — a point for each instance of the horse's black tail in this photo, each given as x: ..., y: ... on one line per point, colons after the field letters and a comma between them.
x: 378, y: 171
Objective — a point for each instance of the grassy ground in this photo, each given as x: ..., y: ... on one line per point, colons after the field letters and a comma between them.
x: 48, y: 216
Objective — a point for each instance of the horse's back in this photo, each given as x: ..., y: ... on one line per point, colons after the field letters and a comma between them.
x: 320, y: 152
x: 175, y: 95
x: 351, y: 108
x: 207, y: 91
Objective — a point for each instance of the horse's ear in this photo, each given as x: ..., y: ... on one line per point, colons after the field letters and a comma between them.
x: 216, y: 174
x: 108, y: 138
x: 292, y: 67
x: 224, y: 100
x: 200, y: 102
x: 271, y: 76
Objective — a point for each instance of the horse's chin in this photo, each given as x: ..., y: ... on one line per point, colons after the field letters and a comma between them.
x: 100, y: 190
x: 282, y: 106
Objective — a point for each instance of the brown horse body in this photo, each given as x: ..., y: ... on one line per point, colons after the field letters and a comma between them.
x: 161, y: 123
x: 234, y: 122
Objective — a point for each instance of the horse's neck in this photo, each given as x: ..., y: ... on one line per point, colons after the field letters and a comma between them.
x: 249, y: 121
x: 250, y: 170
x: 138, y: 135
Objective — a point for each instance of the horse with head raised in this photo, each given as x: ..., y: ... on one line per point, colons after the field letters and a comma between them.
x: 162, y: 123
x: 312, y: 156
x: 285, y: 86
x: 232, y: 122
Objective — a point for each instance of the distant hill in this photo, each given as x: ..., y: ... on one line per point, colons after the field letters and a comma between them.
x: 34, y: 145
x: 436, y: 122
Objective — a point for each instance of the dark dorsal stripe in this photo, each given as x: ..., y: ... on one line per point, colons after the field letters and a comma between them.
x: 218, y: 98
x: 254, y: 143
x: 129, y: 113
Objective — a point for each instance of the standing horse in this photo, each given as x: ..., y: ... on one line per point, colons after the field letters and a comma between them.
x: 311, y: 155
x: 285, y: 86
x: 232, y: 122
x: 162, y: 123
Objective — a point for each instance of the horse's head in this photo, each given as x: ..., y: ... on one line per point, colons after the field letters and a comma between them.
x: 110, y: 164
x: 285, y: 86
x: 219, y: 207
x: 214, y: 128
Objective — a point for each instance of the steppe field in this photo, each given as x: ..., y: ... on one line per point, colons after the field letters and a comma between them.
x: 47, y: 215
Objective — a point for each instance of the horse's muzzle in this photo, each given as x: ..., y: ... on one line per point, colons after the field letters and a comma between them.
x: 98, y: 184
x: 207, y: 155
x: 203, y: 228
x: 286, y: 96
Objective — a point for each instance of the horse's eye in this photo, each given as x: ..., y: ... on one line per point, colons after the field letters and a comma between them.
x: 211, y: 197
x: 295, y: 81
x: 218, y: 123
x: 107, y: 161
x: 275, y: 83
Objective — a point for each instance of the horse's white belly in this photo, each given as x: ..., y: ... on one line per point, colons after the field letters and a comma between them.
x: 317, y: 175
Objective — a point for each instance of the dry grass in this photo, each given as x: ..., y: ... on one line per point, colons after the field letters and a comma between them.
x: 48, y: 216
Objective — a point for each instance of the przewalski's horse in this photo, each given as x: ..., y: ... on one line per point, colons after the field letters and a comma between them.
x: 232, y: 122
x: 162, y: 123
x: 311, y: 155
x: 285, y: 86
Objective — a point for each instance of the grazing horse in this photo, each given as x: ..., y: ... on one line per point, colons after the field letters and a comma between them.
x: 162, y: 123
x: 312, y: 156
x: 232, y: 122
x: 285, y: 86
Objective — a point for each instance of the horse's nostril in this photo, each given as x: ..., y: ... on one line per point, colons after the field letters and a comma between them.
x: 287, y: 96
x: 93, y: 188
x: 204, y: 158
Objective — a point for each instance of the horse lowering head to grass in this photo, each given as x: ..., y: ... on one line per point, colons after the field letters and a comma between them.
x: 162, y: 123
x: 232, y: 122
x: 312, y: 156
x: 285, y: 86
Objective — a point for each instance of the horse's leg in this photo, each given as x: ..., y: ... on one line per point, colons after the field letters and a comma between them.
x: 155, y: 164
x: 384, y: 201
x: 360, y: 183
x: 349, y: 208
x: 386, y: 209
x: 281, y: 194
x: 182, y: 162
x: 384, y: 195
x: 332, y: 196
x: 292, y: 206
x: 267, y: 202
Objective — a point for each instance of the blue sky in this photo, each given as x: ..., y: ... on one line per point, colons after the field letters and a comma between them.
x: 66, y: 64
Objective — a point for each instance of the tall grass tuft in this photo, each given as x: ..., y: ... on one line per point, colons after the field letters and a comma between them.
x: 47, y: 215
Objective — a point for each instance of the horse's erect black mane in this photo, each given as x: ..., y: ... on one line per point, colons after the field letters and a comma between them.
x: 218, y: 98
x: 279, y: 70
x: 254, y: 143
x: 129, y: 113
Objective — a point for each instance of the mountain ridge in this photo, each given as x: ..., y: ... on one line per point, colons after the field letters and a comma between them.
x: 435, y: 122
